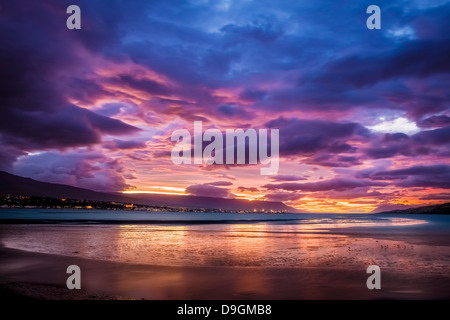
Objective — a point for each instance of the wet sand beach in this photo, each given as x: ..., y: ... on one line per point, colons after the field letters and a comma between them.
x: 251, y: 261
x: 42, y: 276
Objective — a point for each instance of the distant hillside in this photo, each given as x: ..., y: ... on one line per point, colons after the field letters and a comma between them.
x: 209, y: 202
x: 436, y: 209
x: 15, y: 185
x: 391, y: 207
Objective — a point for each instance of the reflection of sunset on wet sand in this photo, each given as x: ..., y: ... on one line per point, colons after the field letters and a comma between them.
x: 321, y: 256
x: 240, y: 245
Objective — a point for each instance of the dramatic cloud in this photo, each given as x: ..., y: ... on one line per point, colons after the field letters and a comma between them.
x: 208, y: 190
x: 38, y: 59
x: 283, y: 196
x: 435, y: 121
x: 434, y: 176
x: 221, y: 183
x: 436, y: 196
x: 286, y: 177
x: 338, y: 184
x: 359, y: 192
x: 81, y: 169
x: 247, y: 189
x: 306, y: 137
x: 68, y: 127
x: 360, y: 112
x: 419, y: 58
x: 435, y: 141
x: 122, y: 144
x: 331, y: 160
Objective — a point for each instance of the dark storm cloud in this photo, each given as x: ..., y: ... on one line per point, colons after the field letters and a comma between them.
x: 412, y: 171
x: 427, y: 142
x: 145, y: 85
x: 388, y: 151
x: 37, y: 58
x: 436, y: 196
x: 208, y: 190
x: 254, y: 95
x: 67, y: 127
x: 303, y: 137
x: 333, y: 160
x: 338, y: 184
x: 439, y: 136
x: 234, y: 111
x: 316, y: 59
x: 8, y: 154
x: 81, y: 168
x: 261, y: 29
x: 247, y: 189
x: 377, y: 74
x: 435, y: 176
x: 394, y: 137
x: 435, y: 121
x: 283, y: 196
x: 419, y: 59
x: 220, y: 183
x: 286, y: 177
x: 118, y: 144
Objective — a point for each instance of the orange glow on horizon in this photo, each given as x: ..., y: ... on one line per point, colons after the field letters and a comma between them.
x: 159, y: 190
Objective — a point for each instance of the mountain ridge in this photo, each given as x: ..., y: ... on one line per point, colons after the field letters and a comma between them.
x: 443, y: 208
x: 17, y: 185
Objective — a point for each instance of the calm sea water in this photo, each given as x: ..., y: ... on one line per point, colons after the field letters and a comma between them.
x: 143, y: 217
x: 213, y: 239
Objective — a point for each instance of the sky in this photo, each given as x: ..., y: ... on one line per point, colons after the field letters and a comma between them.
x: 363, y: 115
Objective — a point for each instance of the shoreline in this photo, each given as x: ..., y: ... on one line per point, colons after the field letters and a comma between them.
x: 42, y: 276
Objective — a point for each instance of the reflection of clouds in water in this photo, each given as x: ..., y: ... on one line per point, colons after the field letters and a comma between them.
x: 331, y: 223
x: 260, y: 245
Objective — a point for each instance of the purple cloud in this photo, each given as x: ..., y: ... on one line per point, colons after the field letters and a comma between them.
x: 303, y: 137
x: 439, y: 136
x: 420, y: 58
x: 40, y: 71
x: 286, y: 177
x: 338, y: 184
x: 283, y: 196
x: 436, y: 196
x: 435, y: 121
x: 67, y: 127
x: 161, y: 66
x: 248, y: 189
x: 221, y: 183
x: 81, y: 169
x: 359, y: 192
x: 434, y: 176
x: 435, y: 141
x: 208, y: 190
x: 117, y: 144
x: 332, y: 160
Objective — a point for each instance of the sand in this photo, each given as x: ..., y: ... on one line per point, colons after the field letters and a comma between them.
x: 331, y: 265
x: 42, y: 276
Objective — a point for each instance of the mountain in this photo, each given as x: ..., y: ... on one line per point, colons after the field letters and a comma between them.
x: 435, y: 209
x: 209, y: 202
x: 390, y: 207
x: 16, y: 185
